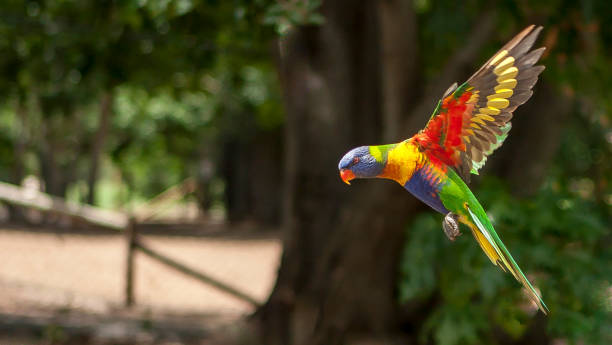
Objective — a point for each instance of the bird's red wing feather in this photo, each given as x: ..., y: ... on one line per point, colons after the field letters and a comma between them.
x: 442, y: 138
x: 474, y: 119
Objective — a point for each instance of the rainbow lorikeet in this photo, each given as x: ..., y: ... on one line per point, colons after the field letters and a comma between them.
x: 467, y: 125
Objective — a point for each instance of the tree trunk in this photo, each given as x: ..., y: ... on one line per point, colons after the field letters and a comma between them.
x: 250, y: 167
x: 47, y: 155
x: 341, y: 247
x: 235, y: 170
x: 265, y: 177
x: 20, y: 142
x: 106, y: 103
x: 15, y: 212
x: 204, y: 174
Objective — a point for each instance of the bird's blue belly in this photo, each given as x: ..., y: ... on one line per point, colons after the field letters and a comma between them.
x: 426, y: 187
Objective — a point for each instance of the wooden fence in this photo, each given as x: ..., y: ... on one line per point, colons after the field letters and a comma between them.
x: 120, y: 221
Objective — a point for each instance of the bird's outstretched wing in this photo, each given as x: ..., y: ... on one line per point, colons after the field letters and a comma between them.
x: 473, y: 120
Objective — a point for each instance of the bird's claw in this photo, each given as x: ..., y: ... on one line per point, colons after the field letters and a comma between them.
x: 451, y: 226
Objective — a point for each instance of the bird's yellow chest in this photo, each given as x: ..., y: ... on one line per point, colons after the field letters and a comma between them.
x: 402, y: 161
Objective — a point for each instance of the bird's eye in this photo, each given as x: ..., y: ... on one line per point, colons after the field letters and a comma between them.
x: 355, y: 160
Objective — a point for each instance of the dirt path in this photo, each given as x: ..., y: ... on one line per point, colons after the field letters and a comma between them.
x: 47, y: 271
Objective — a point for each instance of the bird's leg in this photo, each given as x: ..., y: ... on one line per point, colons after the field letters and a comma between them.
x: 451, y: 226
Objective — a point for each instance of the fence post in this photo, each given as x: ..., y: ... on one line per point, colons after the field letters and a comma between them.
x: 130, y: 241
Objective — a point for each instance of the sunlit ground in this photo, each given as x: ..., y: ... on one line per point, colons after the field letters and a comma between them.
x: 45, y: 273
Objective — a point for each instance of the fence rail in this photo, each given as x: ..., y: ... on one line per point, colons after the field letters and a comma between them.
x: 199, y: 276
x: 120, y: 221
x: 25, y: 197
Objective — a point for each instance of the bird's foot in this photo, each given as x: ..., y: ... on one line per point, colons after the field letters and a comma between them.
x: 451, y: 226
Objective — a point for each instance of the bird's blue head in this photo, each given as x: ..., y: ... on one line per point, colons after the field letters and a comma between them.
x: 359, y: 163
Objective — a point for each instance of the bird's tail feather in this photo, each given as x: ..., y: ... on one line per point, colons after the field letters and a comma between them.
x: 496, y: 251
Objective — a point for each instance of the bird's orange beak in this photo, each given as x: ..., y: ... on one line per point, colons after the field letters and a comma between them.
x: 346, y: 175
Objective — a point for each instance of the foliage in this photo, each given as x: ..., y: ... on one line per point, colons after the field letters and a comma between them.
x: 184, y: 75
x: 558, y: 238
x: 285, y: 15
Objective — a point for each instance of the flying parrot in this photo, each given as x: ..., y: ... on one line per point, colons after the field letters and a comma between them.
x: 469, y: 123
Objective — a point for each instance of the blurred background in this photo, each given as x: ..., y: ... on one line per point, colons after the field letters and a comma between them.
x: 169, y: 174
